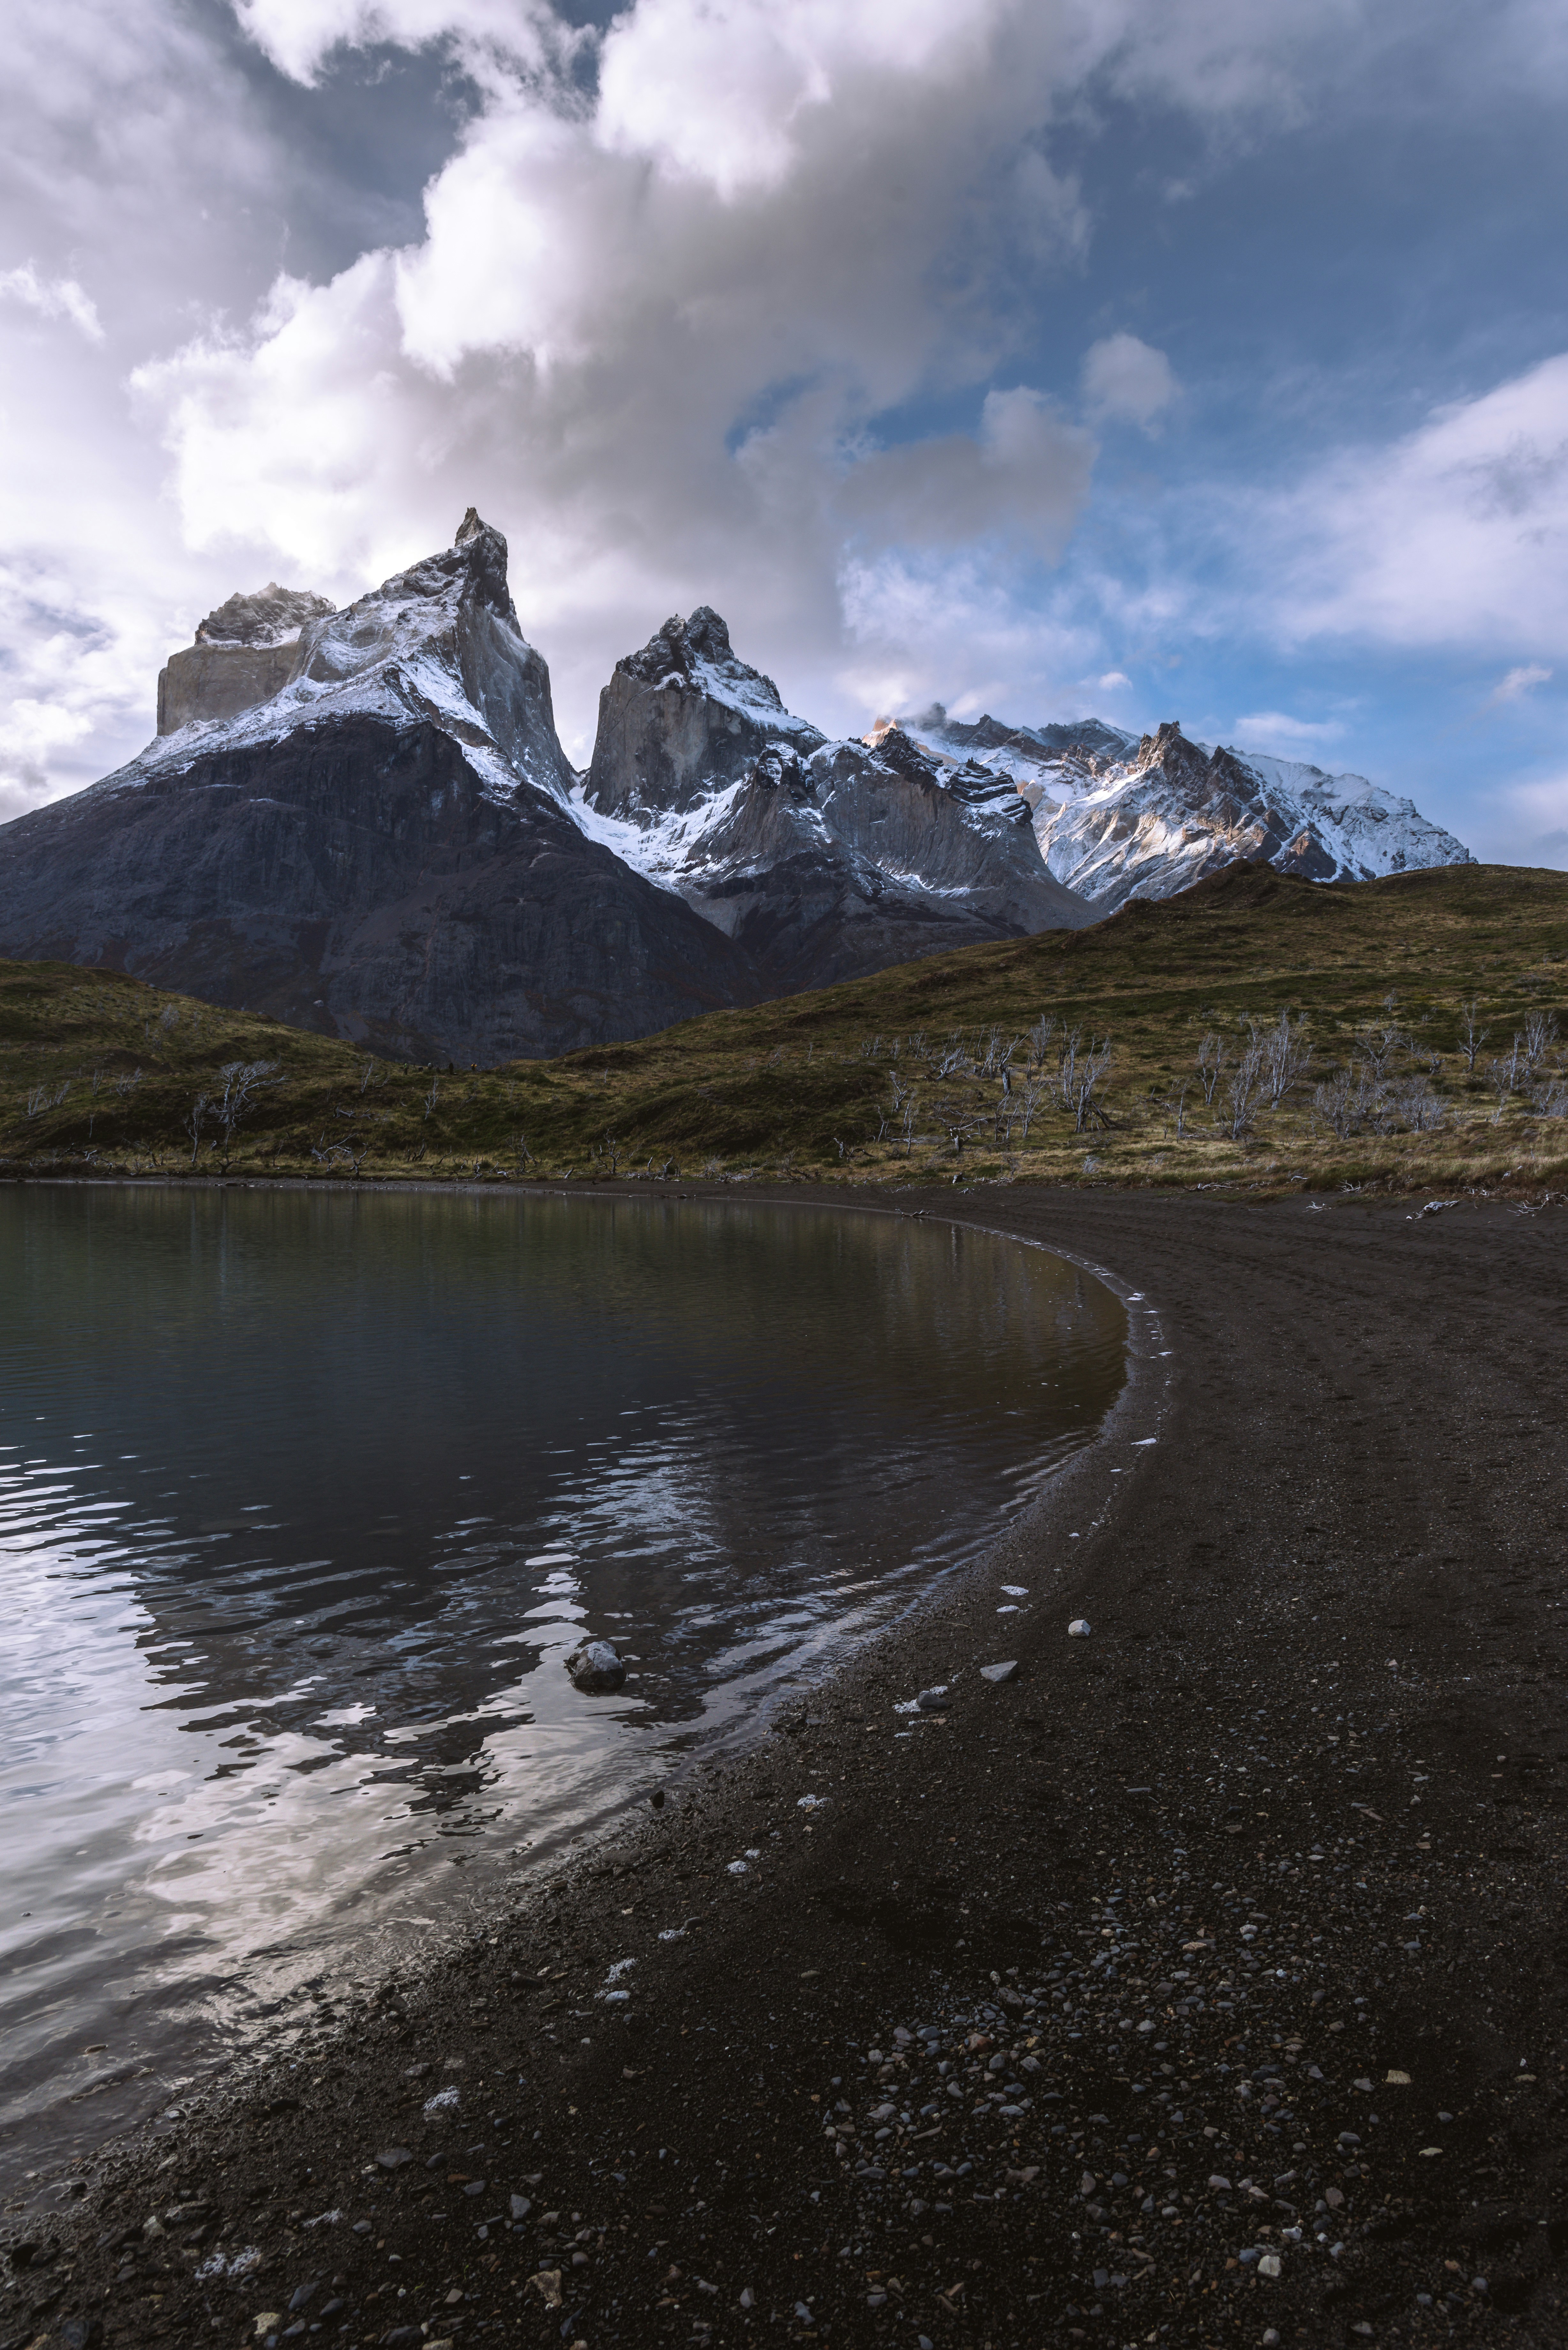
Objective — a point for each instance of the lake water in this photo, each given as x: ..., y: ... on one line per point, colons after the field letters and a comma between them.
x: 304, y: 1497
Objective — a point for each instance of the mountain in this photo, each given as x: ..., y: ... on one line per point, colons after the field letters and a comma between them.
x: 364, y: 823
x: 380, y: 847
x: 1117, y: 817
x: 821, y: 859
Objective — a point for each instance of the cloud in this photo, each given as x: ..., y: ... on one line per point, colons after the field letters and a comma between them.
x: 1129, y: 380
x: 1519, y: 682
x: 59, y: 298
x: 713, y: 303
x: 1456, y: 534
x: 1114, y: 681
x: 1024, y: 475
x: 1274, y: 729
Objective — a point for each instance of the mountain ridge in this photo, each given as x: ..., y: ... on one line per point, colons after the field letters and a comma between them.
x: 364, y: 822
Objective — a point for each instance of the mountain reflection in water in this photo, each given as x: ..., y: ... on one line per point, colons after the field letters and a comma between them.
x: 303, y: 1498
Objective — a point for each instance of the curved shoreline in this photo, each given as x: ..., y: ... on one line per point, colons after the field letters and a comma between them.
x: 88, y: 2107
x: 1342, y: 1558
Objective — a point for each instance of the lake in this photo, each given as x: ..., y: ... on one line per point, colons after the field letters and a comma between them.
x: 304, y: 1496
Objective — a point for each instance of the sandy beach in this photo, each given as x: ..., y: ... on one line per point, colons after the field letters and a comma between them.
x: 1196, y: 1981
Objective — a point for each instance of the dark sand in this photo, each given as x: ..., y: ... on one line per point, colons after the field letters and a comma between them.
x: 1340, y: 1564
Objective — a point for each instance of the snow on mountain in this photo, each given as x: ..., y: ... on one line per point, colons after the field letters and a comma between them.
x: 380, y: 846
x: 1118, y: 818
x: 820, y: 857
x: 438, y: 641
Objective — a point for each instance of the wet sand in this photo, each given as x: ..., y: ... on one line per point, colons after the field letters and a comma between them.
x: 1200, y: 1983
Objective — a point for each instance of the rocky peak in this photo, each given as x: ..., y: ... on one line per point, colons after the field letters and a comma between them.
x: 685, y: 718
x: 696, y: 654
x: 271, y: 616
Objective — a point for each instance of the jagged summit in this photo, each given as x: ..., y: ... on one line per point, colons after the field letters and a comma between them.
x: 271, y: 616
x: 440, y: 640
x: 682, y: 717
x: 823, y: 858
x: 1117, y: 817
x: 696, y: 653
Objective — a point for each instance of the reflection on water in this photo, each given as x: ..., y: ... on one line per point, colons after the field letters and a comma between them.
x: 303, y: 1498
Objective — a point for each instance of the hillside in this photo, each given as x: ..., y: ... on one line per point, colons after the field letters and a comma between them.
x: 989, y: 1063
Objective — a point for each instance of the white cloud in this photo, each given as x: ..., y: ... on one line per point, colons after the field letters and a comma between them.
x: 1275, y: 729
x: 672, y: 284
x: 1128, y: 379
x: 1114, y: 681
x: 1519, y: 682
x: 1456, y: 534
x: 57, y: 297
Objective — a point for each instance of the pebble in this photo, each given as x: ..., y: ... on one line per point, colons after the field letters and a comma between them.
x: 394, y: 2158
x: 1000, y: 1673
x: 933, y: 1700
x: 1078, y: 1629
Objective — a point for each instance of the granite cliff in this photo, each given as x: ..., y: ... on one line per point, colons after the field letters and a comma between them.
x: 823, y: 859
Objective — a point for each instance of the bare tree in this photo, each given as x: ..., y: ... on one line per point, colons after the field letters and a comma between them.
x: 1068, y: 1046
x: 1244, y: 1085
x: 908, y: 1109
x: 243, y: 1083
x: 1040, y: 1037
x: 1211, y: 1057
x: 1472, y: 1035
x: 434, y: 1095
x: 1029, y: 1099
x: 1378, y: 1045
x: 1286, y: 1057
x: 1501, y: 1076
x: 1090, y: 1068
x: 1540, y: 1035
x: 1421, y: 1109
x: 1334, y: 1102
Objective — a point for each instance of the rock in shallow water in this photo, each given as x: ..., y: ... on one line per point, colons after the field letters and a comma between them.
x: 596, y: 1666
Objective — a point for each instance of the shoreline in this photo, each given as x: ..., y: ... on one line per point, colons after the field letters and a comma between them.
x: 1248, y: 1574
x: 503, y: 1877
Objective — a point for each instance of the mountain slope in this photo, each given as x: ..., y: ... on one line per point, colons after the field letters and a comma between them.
x: 1118, y: 818
x: 823, y: 859
x: 381, y: 850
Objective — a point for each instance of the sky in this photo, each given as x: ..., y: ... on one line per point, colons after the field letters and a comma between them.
x: 1201, y: 359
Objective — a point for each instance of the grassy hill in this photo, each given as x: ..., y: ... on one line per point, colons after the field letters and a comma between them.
x: 1258, y: 1031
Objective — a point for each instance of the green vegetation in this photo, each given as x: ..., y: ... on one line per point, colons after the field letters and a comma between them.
x: 1258, y: 1031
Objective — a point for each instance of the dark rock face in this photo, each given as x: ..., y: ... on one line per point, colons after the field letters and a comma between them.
x: 358, y: 881
x: 822, y: 860
x: 382, y: 852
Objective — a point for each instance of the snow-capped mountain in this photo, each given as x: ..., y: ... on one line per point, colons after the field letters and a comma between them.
x: 381, y: 849
x: 821, y: 858
x: 1117, y: 817
x: 363, y: 822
